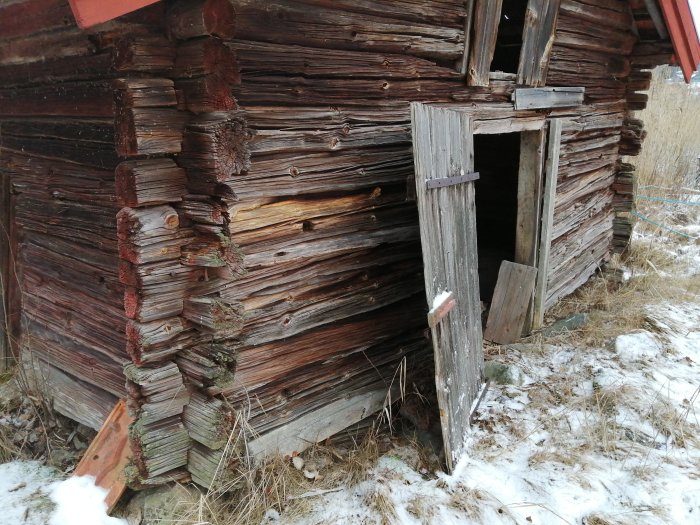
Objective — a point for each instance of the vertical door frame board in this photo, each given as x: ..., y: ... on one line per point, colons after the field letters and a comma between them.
x: 5, y: 273
x: 530, y: 179
x: 550, y: 191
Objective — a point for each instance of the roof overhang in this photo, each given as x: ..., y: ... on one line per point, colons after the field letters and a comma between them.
x: 684, y: 34
x: 89, y: 12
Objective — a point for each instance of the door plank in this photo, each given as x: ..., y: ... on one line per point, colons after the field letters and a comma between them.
x: 510, y: 303
x: 443, y: 147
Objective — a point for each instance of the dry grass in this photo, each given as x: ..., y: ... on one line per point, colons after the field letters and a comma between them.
x: 616, y: 308
x: 669, y: 158
x: 245, y: 491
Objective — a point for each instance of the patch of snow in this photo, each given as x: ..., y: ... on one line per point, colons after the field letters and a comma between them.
x: 22, y: 496
x: 440, y: 298
x: 80, y: 502
x: 639, y: 345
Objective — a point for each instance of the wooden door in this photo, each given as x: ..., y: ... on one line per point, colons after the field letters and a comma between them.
x: 444, y: 161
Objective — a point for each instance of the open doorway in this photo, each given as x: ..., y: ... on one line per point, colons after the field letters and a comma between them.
x: 508, y: 198
x: 496, y: 158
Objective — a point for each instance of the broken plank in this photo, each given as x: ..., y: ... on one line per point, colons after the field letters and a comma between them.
x: 511, y: 300
x: 108, y: 454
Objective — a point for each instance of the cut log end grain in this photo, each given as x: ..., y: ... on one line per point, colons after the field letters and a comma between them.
x: 193, y: 18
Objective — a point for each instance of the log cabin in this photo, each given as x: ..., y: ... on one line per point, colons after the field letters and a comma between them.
x: 224, y: 212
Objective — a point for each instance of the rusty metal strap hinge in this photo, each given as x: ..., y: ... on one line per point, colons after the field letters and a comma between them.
x: 451, y: 181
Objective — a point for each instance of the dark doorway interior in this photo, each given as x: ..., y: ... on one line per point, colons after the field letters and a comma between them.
x: 497, y: 159
x: 510, y: 36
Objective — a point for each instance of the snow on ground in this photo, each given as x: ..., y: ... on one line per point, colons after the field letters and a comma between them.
x: 35, y: 494
x: 587, y: 436
x: 592, y: 436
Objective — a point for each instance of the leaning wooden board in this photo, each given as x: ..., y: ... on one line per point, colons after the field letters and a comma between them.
x: 108, y: 454
x: 510, y: 303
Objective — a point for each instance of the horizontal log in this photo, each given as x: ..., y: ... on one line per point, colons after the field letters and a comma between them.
x: 159, y: 302
x: 213, y: 251
x: 221, y: 317
x: 206, y: 56
x: 203, y: 210
x: 71, y: 99
x: 144, y: 93
x: 215, y: 147
x: 209, y: 421
x: 87, y: 142
x: 156, y: 341
x: 270, y: 89
x: 20, y: 19
x: 209, y: 93
x: 583, y: 34
x: 71, y: 356
x: 155, y: 393
x: 153, y: 53
x: 55, y: 179
x: 193, y: 18
x: 314, y: 173
x: 149, y: 182
x: 263, y: 364
x: 65, y: 68
x: 160, y: 447
x: 316, y: 26
x: 78, y: 400
x: 315, y: 62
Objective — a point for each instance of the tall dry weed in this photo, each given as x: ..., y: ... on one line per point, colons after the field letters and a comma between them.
x: 669, y: 157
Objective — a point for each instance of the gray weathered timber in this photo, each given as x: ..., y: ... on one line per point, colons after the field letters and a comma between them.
x: 547, y: 97
x: 550, y: 190
x: 487, y: 13
x: 443, y: 147
x: 510, y: 304
x: 4, y: 268
x: 317, y: 425
x: 530, y: 174
x: 538, y: 37
x: 468, y: 19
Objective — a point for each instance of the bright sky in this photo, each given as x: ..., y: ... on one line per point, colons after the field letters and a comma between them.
x: 695, y: 8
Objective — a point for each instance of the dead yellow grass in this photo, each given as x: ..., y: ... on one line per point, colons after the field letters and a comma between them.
x: 669, y: 158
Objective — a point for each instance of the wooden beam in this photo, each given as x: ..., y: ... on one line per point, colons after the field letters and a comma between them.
x: 550, y: 190
x: 108, y: 454
x: 530, y: 176
x: 538, y: 37
x: 468, y: 19
x: 487, y: 14
x: 547, y: 97
x: 315, y: 426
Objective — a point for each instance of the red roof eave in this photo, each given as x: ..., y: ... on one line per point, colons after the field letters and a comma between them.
x: 684, y: 35
x: 92, y: 12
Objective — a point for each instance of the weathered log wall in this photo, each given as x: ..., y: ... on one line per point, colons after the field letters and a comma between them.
x: 219, y: 194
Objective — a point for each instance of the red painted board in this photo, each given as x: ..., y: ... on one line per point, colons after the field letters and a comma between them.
x: 91, y: 12
x: 684, y: 35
